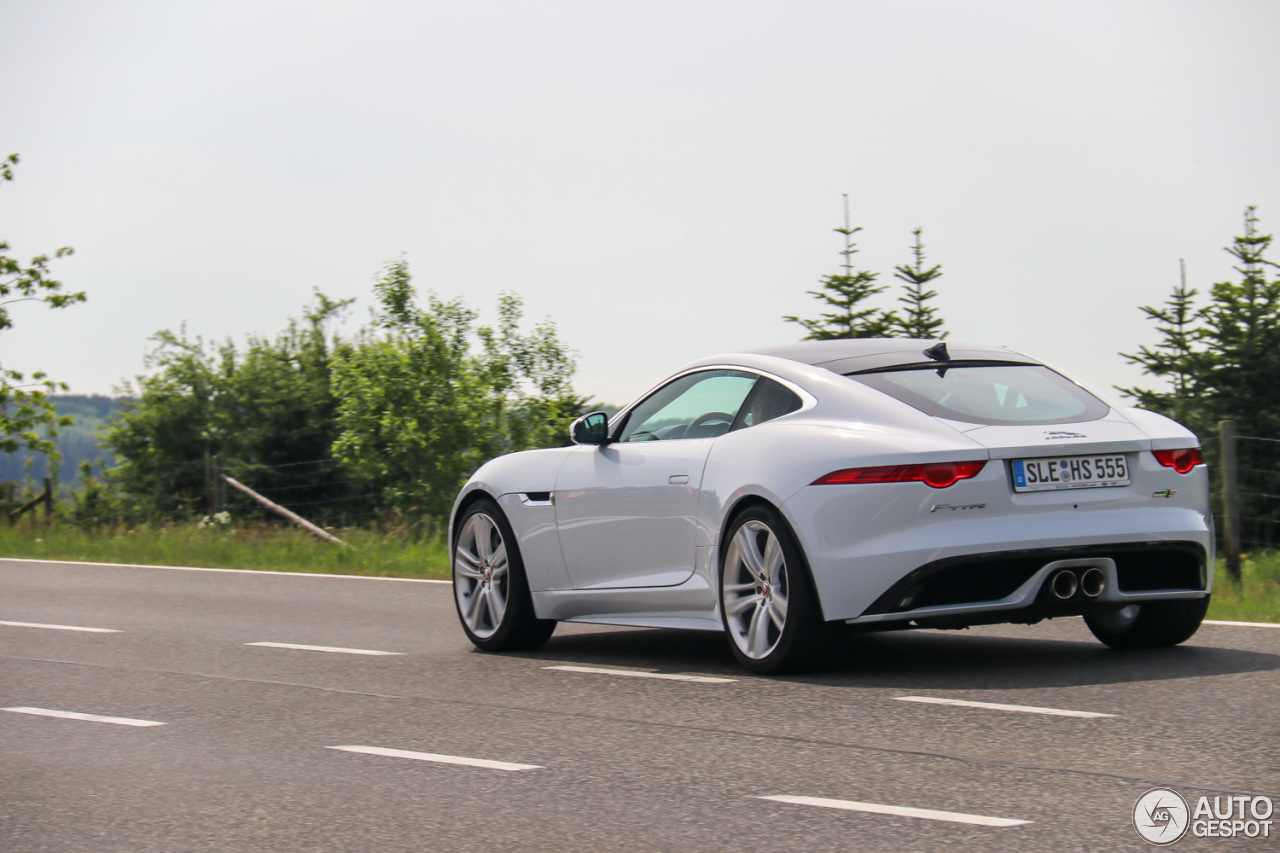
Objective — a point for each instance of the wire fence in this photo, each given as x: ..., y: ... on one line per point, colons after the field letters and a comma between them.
x: 1258, y: 472
x: 332, y: 495
x: 322, y: 490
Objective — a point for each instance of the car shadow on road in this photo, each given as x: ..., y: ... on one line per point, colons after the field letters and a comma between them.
x: 912, y: 659
x: 950, y: 661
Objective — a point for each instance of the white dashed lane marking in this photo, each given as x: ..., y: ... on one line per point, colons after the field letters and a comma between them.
x: 701, y: 679
x: 87, y: 718
x: 995, y: 706
x: 336, y: 649
x: 62, y: 627
x: 898, y: 811
x: 436, y: 758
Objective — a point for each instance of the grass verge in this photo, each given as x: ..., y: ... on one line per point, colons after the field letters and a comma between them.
x: 402, y: 555
x: 282, y: 549
x: 1256, y: 598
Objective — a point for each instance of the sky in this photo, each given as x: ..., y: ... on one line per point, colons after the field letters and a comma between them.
x: 660, y: 179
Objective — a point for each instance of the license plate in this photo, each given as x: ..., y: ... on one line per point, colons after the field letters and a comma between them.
x: 1070, y: 472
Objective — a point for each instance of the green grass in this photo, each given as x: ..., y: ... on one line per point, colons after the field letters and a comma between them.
x: 284, y: 549
x: 1256, y: 598
x: 402, y: 554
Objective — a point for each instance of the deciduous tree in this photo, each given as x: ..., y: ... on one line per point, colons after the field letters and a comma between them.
x: 268, y: 407
x: 28, y: 420
x: 419, y: 410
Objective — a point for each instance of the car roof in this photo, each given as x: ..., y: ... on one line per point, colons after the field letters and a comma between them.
x: 859, y: 355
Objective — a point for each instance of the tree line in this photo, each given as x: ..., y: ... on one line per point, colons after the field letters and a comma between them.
x: 76, y: 442
x: 393, y: 418
x: 390, y: 419
x: 1216, y: 357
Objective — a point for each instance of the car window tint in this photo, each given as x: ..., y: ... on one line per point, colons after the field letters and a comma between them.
x: 1006, y: 394
x: 699, y: 405
x: 768, y: 400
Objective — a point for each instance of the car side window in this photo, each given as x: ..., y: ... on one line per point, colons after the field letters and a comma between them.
x: 768, y: 400
x: 698, y: 405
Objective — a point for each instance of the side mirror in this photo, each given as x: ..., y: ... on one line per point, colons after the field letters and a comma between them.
x: 591, y: 428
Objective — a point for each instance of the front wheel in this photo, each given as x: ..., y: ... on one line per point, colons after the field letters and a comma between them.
x: 1150, y: 625
x: 490, y: 588
x: 767, y: 601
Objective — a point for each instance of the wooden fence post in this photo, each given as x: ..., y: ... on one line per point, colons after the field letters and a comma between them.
x: 45, y: 497
x: 279, y: 510
x: 1230, y: 499
x: 208, y: 480
x: 219, y: 485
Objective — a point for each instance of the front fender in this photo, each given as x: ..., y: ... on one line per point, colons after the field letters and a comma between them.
x: 508, y: 481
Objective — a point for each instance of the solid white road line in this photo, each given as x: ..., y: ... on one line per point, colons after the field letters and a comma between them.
x: 323, y: 649
x: 995, y: 706
x: 62, y: 627
x: 435, y: 757
x: 898, y: 811
x: 230, y: 571
x: 1244, y: 624
x: 701, y: 679
x: 88, y: 718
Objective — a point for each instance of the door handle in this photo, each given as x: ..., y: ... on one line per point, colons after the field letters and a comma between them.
x: 678, y: 479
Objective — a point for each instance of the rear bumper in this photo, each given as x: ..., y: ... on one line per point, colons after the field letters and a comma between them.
x: 868, y: 545
x: 1018, y: 585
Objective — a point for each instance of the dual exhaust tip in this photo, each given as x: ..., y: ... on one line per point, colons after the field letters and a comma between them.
x: 1065, y: 584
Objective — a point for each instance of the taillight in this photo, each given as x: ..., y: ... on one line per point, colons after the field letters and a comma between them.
x: 1181, y: 461
x: 939, y: 475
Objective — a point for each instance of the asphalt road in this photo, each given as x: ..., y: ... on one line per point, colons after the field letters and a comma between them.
x: 449, y: 749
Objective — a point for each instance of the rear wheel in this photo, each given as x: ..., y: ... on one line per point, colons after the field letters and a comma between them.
x: 1150, y: 625
x: 490, y: 588
x: 767, y: 601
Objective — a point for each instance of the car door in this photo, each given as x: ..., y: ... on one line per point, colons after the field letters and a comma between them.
x: 626, y: 511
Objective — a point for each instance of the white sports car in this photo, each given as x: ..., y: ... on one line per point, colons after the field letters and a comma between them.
x: 881, y: 484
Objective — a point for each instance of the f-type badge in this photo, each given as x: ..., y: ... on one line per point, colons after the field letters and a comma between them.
x: 956, y: 507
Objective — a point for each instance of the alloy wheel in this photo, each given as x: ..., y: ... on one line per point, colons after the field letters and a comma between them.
x: 481, y: 575
x: 755, y: 587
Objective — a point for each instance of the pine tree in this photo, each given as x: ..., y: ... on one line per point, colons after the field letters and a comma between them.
x: 845, y: 293
x: 919, y: 319
x: 1175, y: 358
x: 1238, y: 371
x: 1223, y: 361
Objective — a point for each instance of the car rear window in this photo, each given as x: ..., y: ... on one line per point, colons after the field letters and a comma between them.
x: 995, y: 394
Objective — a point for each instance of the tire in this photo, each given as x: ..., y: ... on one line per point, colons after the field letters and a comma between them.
x: 767, y: 602
x: 490, y: 589
x: 1151, y: 625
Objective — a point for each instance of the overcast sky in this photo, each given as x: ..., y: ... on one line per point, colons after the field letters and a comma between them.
x: 660, y: 178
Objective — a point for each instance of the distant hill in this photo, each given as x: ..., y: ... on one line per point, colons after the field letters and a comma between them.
x: 76, y: 442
